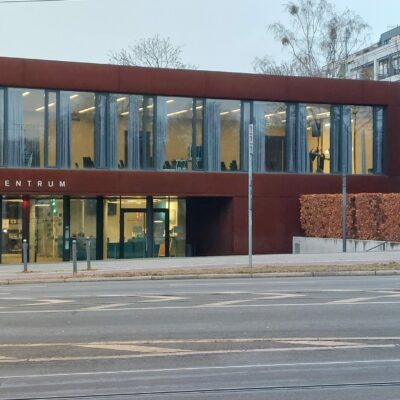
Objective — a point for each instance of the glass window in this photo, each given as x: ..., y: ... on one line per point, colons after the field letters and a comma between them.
x: 11, y: 243
x: 362, y: 139
x: 179, y: 133
x: 111, y: 228
x: 229, y: 111
x: 46, y: 230
x: 33, y: 126
x: 383, y: 68
x: 123, y: 119
x: 51, y: 151
x: 275, y: 125
x: 318, y: 137
x: 1, y: 127
x: 146, y: 138
x: 83, y: 225
x: 82, y: 129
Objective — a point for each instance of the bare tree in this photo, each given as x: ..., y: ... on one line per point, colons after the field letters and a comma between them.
x: 319, y: 39
x: 151, y: 52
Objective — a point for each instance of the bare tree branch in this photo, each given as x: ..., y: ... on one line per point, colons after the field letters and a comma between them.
x: 151, y: 52
x: 319, y: 40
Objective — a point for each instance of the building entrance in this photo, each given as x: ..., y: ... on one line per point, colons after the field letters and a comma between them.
x: 142, y: 236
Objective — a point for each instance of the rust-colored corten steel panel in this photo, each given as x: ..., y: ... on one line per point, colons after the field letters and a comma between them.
x: 122, y: 79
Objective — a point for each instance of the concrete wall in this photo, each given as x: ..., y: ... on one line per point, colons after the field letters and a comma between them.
x: 309, y: 245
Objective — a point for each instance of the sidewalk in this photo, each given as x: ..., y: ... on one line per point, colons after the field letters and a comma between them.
x: 266, y: 265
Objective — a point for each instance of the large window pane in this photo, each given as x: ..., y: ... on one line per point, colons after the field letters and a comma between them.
x: 82, y: 129
x: 46, y: 230
x: 318, y: 137
x: 229, y: 111
x: 51, y: 129
x: 123, y: 120
x: 83, y: 226
x: 179, y: 133
x: 362, y: 139
x: 1, y: 127
x: 275, y: 117
x: 147, y: 133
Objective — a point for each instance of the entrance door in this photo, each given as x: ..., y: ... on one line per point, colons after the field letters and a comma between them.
x: 134, y: 233
x: 11, y: 242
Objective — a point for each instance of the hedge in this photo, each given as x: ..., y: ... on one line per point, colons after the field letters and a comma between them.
x: 370, y: 216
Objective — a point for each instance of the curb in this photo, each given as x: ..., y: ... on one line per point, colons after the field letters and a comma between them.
x: 94, y: 278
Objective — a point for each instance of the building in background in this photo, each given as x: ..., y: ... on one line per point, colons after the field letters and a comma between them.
x: 380, y: 61
x: 146, y: 162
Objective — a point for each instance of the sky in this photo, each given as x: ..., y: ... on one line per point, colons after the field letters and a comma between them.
x: 223, y: 35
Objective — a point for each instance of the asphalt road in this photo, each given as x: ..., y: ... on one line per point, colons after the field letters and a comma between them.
x: 321, y: 338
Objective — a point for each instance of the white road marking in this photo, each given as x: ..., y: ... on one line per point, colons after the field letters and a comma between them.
x: 203, y: 341
x: 210, y: 367
x: 191, y: 353
x: 328, y: 343
x: 132, y: 348
x: 154, y: 298
x: 190, y: 307
x: 48, y: 302
x: 105, y: 307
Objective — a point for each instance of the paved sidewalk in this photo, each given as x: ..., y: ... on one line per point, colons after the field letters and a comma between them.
x: 157, y: 266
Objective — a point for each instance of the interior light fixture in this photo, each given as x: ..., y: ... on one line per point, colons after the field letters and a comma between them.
x: 74, y: 96
x: 177, y: 112
x: 43, y: 107
x: 224, y: 113
x: 86, y: 110
x: 125, y: 113
x: 170, y: 101
x: 237, y: 110
x: 121, y: 99
x: 199, y: 107
x: 26, y: 94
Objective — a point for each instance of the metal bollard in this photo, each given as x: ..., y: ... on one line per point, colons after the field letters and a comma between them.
x: 25, y: 254
x: 74, y: 262
x: 88, y: 253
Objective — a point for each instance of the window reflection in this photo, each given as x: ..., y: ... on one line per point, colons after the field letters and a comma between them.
x: 318, y: 137
x: 362, y: 139
x: 82, y: 129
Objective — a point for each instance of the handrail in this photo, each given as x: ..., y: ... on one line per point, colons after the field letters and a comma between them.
x: 378, y: 245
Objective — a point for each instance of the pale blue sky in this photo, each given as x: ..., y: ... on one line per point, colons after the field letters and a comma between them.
x: 216, y: 34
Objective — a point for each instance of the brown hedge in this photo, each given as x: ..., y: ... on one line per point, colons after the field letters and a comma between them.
x: 370, y: 216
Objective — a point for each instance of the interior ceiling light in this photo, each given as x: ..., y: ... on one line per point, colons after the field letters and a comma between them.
x: 43, y: 107
x: 224, y: 113
x: 177, y: 112
x: 74, y: 96
x: 125, y: 113
x: 170, y: 101
x: 121, y: 99
x: 26, y: 94
x: 237, y: 110
x: 86, y: 110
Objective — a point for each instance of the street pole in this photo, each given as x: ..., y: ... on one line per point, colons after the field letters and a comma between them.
x: 250, y: 199
x: 74, y: 258
x: 344, y: 211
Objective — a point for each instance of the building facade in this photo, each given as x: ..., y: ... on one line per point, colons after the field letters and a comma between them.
x: 149, y: 162
x: 381, y: 61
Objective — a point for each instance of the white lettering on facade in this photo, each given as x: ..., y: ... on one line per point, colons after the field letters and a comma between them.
x: 20, y: 183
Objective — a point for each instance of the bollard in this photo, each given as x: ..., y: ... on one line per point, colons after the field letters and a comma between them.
x: 74, y: 263
x: 88, y: 253
x: 25, y: 254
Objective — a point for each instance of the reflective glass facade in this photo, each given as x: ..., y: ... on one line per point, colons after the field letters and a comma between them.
x: 80, y: 130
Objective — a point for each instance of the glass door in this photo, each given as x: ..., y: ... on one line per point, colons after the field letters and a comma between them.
x: 133, y: 233
x: 11, y: 251
x: 161, y: 233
